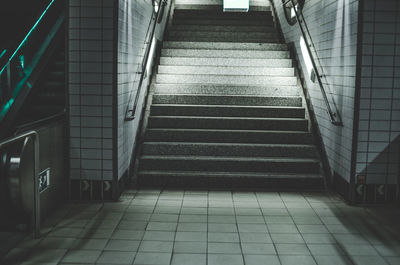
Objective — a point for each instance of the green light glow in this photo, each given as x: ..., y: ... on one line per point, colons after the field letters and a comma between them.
x: 5, y: 109
x: 27, y: 36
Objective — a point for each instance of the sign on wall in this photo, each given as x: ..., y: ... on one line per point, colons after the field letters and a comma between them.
x: 236, y: 5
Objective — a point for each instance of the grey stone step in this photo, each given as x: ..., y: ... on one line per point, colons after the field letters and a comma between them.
x: 225, y: 79
x: 255, y: 62
x: 228, y: 136
x: 226, y: 164
x: 229, y: 36
x: 234, y: 123
x: 224, y: 28
x: 226, y: 111
x: 225, y: 70
x: 229, y: 149
x: 226, y: 22
x: 224, y: 45
x: 202, y: 53
x: 272, y: 91
x: 226, y: 100
x: 231, y: 180
x: 219, y: 14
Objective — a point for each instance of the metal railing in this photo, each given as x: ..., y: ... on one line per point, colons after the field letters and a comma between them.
x: 35, y: 174
x: 156, y: 18
x: 330, y: 105
x: 17, y: 70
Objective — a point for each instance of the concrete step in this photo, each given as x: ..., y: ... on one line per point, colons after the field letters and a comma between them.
x: 231, y: 180
x: 229, y: 149
x: 255, y: 62
x: 226, y: 164
x: 233, y: 123
x: 224, y: 28
x: 220, y: 14
x: 228, y: 136
x: 226, y: 100
x: 226, y: 111
x: 224, y: 45
x: 225, y: 79
x: 202, y: 53
x: 223, y: 36
x: 272, y: 91
x: 225, y: 70
x: 224, y: 22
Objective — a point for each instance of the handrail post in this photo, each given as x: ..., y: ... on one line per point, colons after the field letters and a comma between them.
x: 36, y: 195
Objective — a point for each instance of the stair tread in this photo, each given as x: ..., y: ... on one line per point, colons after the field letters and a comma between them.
x: 229, y: 158
x: 228, y: 144
x: 227, y: 106
x: 229, y: 174
x: 225, y: 130
x: 227, y: 118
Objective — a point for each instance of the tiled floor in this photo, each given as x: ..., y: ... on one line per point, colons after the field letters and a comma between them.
x: 216, y: 228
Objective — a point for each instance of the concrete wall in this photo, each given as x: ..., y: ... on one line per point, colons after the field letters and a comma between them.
x: 379, y: 128
x: 333, y: 28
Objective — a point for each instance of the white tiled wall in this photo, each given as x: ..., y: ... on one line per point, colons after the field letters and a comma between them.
x: 333, y: 27
x: 90, y: 41
x: 379, y: 129
x: 133, y: 21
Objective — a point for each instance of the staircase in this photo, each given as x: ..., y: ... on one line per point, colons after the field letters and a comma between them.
x: 225, y: 108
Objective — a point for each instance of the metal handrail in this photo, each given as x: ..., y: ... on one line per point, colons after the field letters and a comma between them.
x: 130, y: 113
x: 333, y: 114
x: 36, y: 199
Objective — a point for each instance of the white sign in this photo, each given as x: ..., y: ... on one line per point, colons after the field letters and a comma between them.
x: 236, y: 5
x: 44, y: 180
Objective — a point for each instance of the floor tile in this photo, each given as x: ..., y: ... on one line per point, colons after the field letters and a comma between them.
x: 159, y: 236
x: 83, y: 256
x: 250, y: 219
x: 190, y: 247
x: 319, y: 238
x: 56, y: 243
x: 251, y: 237
x: 282, y: 228
x: 297, y: 260
x: 192, y: 218
x: 393, y: 260
x: 215, y: 227
x: 223, y: 259
x: 326, y: 249
x: 388, y: 250
x: 192, y: 227
x: 292, y: 249
x: 278, y: 219
x: 48, y: 256
x: 189, y: 259
x: 368, y: 260
x: 191, y: 236
x: 287, y: 238
x: 152, y: 258
x: 223, y: 237
x: 253, y: 228
x: 156, y: 246
x: 261, y: 260
x: 161, y: 226
x: 122, y: 245
x: 359, y: 250
x: 224, y: 248
x: 128, y: 235
x: 258, y: 248
x: 312, y: 229
x: 333, y: 260
x: 90, y: 244
x: 116, y: 257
